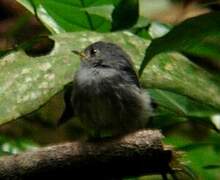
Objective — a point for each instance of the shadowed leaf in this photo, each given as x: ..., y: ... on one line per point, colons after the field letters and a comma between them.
x: 197, y: 36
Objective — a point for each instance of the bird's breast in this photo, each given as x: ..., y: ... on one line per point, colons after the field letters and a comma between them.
x: 104, y: 100
x: 97, y: 80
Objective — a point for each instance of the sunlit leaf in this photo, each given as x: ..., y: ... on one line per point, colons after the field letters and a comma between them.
x: 67, y: 16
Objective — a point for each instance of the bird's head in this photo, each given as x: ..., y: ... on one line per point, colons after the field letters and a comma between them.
x: 103, y: 54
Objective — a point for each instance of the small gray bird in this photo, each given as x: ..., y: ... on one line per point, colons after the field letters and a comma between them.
x: 106, y: 95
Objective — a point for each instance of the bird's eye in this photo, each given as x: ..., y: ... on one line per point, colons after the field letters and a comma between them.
x: 93, y: 52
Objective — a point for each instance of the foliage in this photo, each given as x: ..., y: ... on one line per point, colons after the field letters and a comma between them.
x: 187, y: 93
x: 9, y: 146
x: 191, y: 37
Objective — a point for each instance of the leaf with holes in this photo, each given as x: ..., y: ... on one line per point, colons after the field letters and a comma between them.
x: 26, y: 83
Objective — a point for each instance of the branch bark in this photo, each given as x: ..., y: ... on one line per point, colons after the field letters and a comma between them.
x: 138, y: 153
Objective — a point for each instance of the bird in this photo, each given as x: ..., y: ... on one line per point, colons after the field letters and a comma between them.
x: 106, y: 94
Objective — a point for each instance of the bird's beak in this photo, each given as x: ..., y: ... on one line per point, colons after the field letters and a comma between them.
x: 81, y: 54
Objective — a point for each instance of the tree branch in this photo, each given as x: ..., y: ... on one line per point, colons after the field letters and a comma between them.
x: 138, y: 153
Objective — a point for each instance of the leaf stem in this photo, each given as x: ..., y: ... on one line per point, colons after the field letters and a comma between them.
x: 88, y: 16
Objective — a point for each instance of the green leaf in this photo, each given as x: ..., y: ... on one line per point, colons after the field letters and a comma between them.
x: 29, y: 82
x: 125, y: 14
x: 181, y: 105
x: 197, y: 36
x: 201, y: 154
x: 212, y: 166
x: 13, y: 146
x: 5, y: 52
x: 142, y: 22
x: 174, y: 109
x: 67, y: 16
x: 157, y: 29
x: 174, y: 72
x: 141, y: 28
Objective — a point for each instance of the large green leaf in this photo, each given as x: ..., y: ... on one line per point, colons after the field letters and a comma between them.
x: 102, y: 15
x: 27, y: 82
x: 197, y: 36
x: 125, y: 15
x: 67, y: 15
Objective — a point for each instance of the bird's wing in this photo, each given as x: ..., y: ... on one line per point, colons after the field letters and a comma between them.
x: 132, y: 75
x: 68, y: 112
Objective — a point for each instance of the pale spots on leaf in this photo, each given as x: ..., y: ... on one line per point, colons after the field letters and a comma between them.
x: 45, y: 92
x: 168, y: 67
x: 45, y: 66
x: 44, y: 85
x: 66, y: 61
x: 83, y: 39
x: 51, y: 85
x: 23, y: 87
x: 35, y: 77
x: 35, y: 95
x: 15, y: 114
x: 8, y: 59
x: 7, y: 85
x: 84, y: 35
x: 93, y: 39
x: 128, y: 33
x: 25, y: 70
x: 28, y: 79
x: 22, y: 99
x: 154, y: 68
x: 16, y: 75
x: 49, y: 76
x: 25, y: 98
x: 2, y: 63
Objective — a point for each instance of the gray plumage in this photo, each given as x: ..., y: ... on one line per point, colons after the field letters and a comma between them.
x: 106, y: 94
